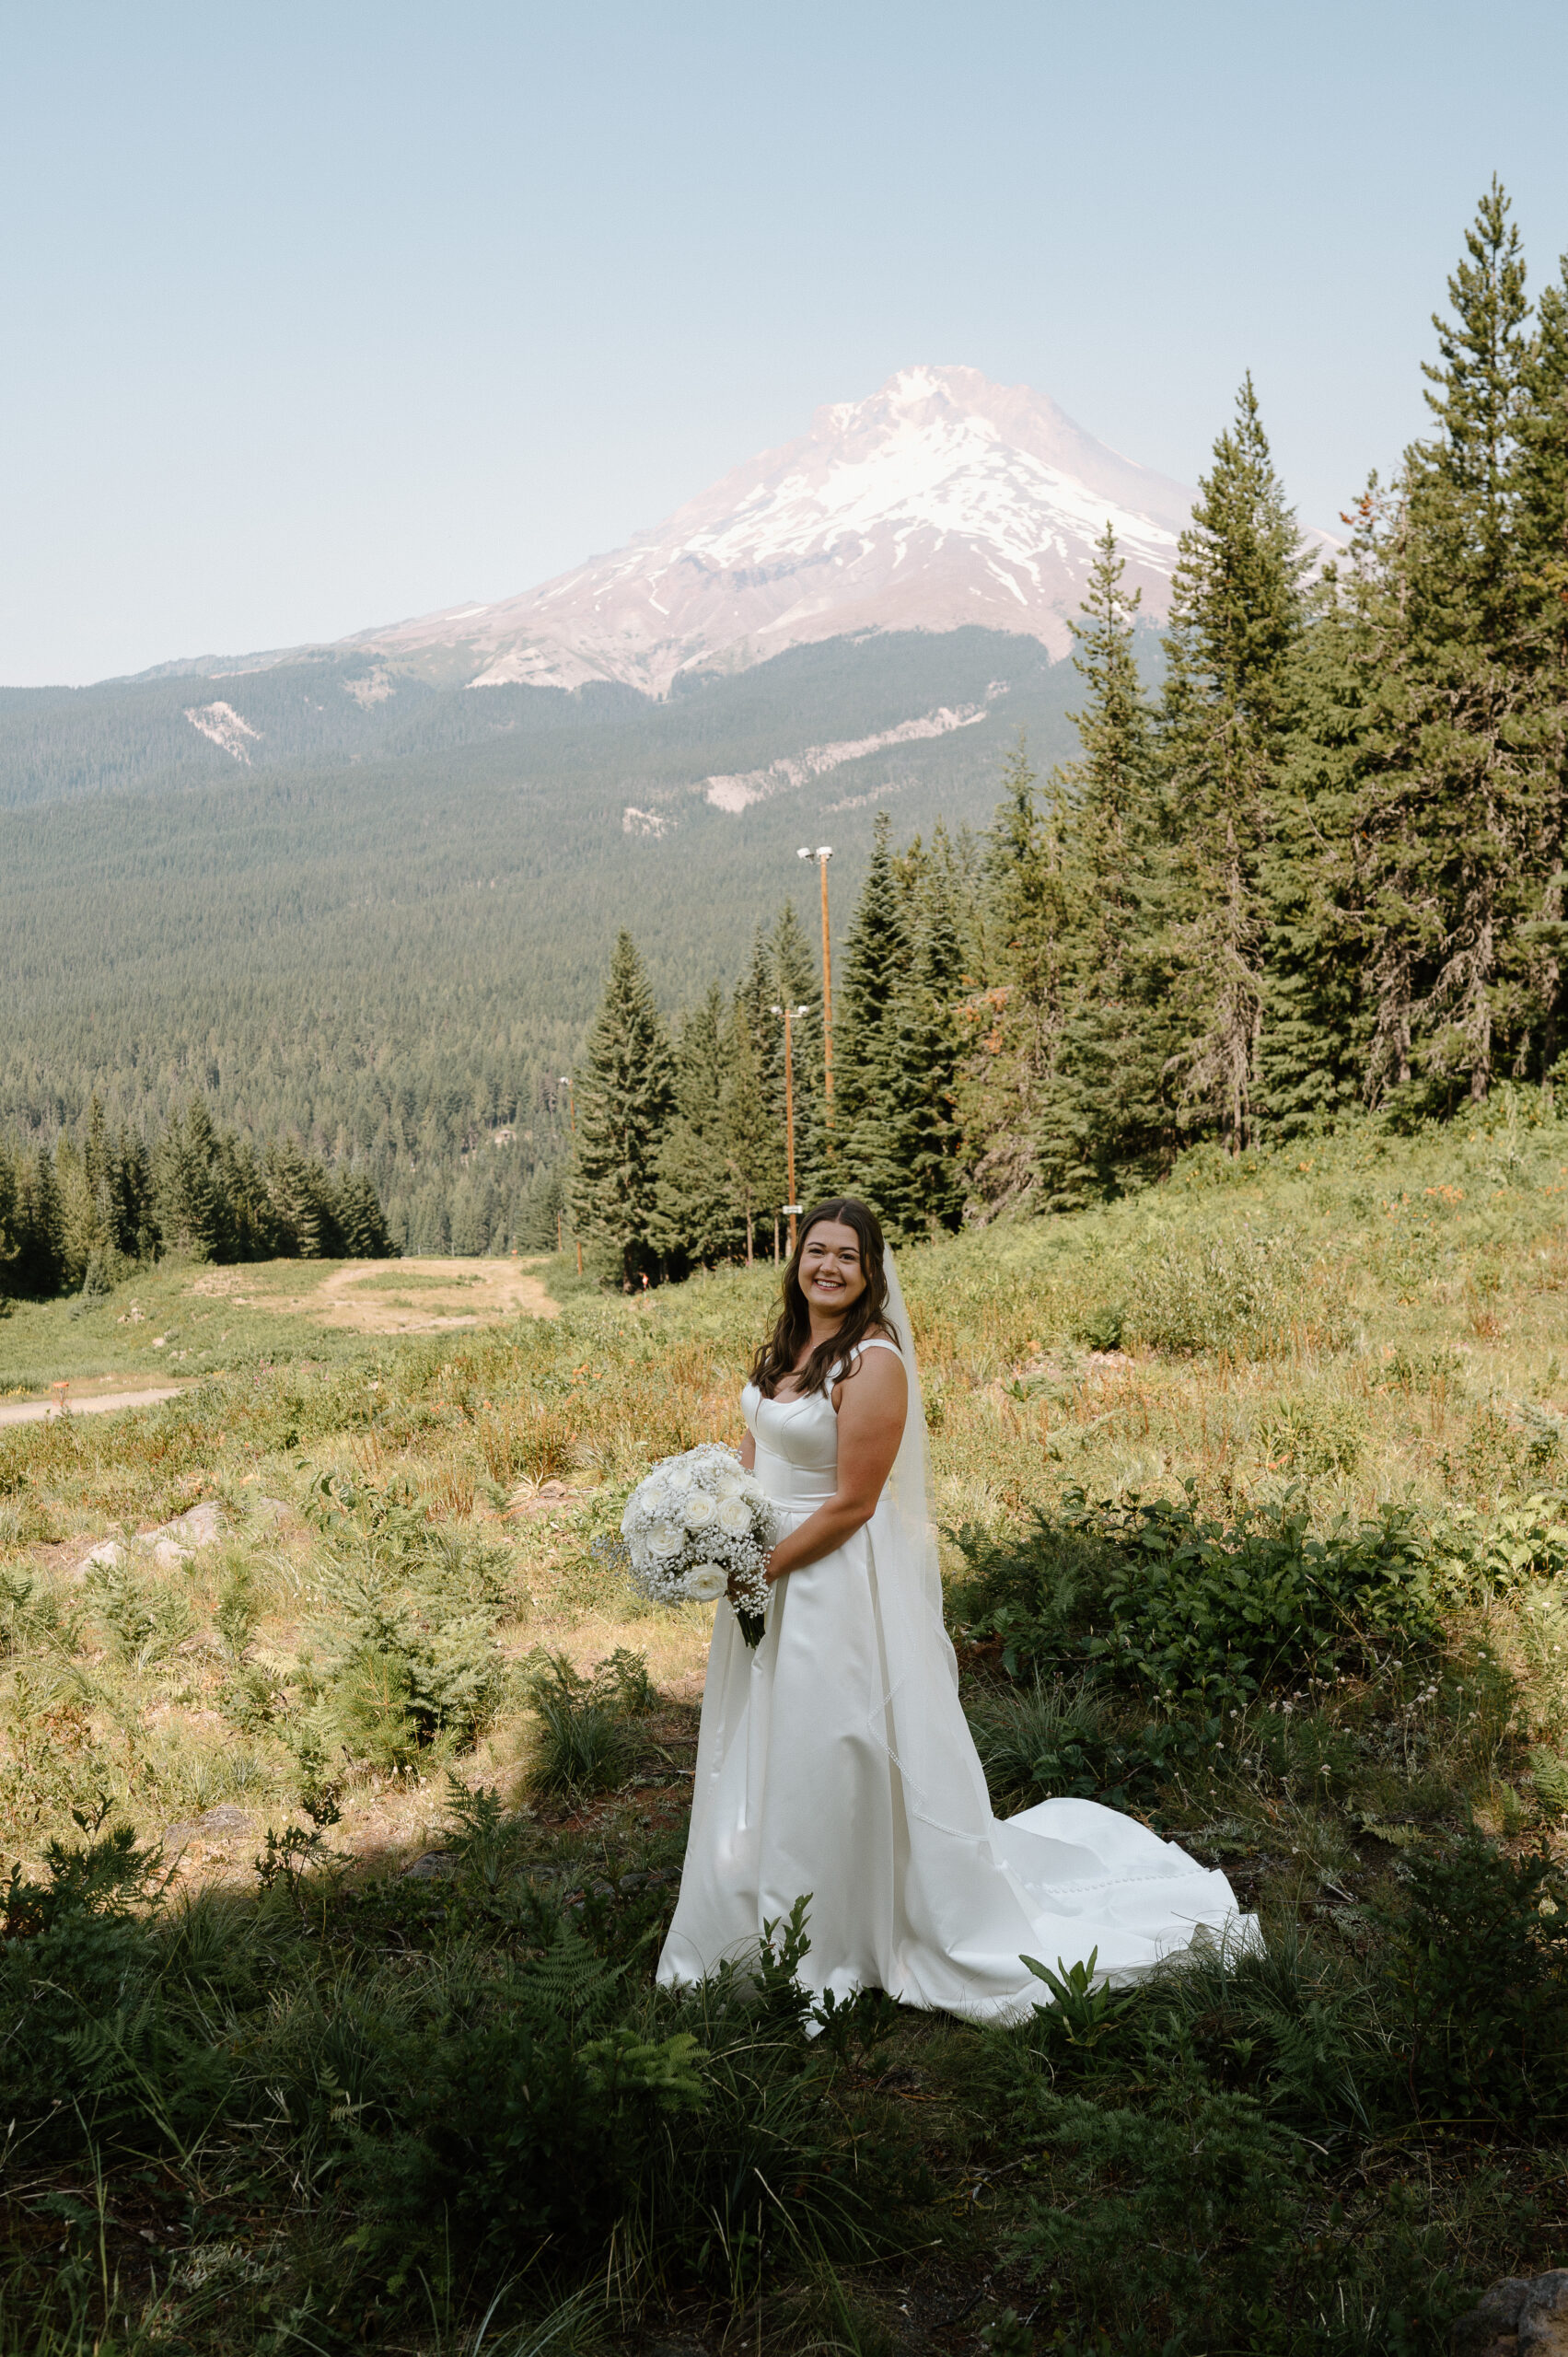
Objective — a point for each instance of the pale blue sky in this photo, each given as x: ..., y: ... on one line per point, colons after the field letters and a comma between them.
x: 323, y: 314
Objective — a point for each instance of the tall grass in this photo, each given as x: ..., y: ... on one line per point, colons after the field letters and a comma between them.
x: 1206, y: 1446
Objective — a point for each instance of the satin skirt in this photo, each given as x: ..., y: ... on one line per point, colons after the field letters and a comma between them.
x: 797, y: 1793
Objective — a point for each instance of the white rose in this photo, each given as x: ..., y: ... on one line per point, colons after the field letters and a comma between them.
x: 729, y: 1485
x: 706, y: 1584
x: 735, y: 1515
x: 698, y: 1509
x: 678, y: 1479
x: 664, y: 1540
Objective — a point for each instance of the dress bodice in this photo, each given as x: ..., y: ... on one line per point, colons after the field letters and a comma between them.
x: 797, y: 1445
x: 798, y: 1441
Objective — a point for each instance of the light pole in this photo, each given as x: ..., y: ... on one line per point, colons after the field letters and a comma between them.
x: 791, y: 1014
x: 569, y: 1085
x: 822, y: 854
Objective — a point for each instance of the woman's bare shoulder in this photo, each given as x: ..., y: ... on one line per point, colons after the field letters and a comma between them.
x: 878, y: 1372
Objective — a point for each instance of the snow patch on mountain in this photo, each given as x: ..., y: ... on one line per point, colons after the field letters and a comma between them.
x: 736, y: 793
x: 224, y: 726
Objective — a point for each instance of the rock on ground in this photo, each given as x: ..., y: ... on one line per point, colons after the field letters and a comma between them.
x: 1521, y: 2317
x: 171, y: 1543
x: 224, y: 1823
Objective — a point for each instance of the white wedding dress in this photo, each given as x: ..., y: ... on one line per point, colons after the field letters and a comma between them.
x: 835, y: 1760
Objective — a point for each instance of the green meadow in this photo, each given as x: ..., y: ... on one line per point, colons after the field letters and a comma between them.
x: 342, y: 1824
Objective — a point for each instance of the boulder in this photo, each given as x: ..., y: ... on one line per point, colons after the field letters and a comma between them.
x: 224, y: 1823
x: 201, y: 1526
x: 430, y: 1865
x: 1522, y: 2316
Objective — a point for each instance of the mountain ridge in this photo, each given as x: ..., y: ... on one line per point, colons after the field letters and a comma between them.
x: 940, y: 501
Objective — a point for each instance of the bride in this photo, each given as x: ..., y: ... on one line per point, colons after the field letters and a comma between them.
x: 834, y: 1761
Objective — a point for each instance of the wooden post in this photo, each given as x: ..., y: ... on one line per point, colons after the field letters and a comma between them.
x: 789, y: 1122
x: 827, y: 1010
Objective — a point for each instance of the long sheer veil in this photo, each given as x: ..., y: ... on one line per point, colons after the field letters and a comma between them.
x: 920, y: 1719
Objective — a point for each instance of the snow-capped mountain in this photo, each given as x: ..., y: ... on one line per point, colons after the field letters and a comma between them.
x: 943, y: 500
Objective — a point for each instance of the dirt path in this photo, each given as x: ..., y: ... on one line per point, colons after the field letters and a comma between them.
x: 399, y: 1297
x: 88, y: 1403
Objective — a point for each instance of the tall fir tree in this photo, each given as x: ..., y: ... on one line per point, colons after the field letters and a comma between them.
x: 1104, y: 1113
x: 924, y: 1181
x: 192, y: 1214
x: 624, y: 1092
x: 696, y: 1197
x: 1016, y: 1017
x: 1474, y: 770
x: 1346, y: 918
x: 753, y: 1148
x: 1540, y: 483
x: 875, y: 967
x: 1236, y: 617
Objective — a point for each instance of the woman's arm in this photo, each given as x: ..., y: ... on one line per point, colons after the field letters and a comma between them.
x: 873, y: 1403
x: 748, y: 1451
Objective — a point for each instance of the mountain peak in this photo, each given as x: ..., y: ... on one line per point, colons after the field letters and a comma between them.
x: 941, y: 500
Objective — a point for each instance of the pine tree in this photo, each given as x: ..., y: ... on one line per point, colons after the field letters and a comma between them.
x: 361, y: 1223
x: 1236, y: 617
x: 923, y: 1177
x: 1017, y: 1017
x: 1103, y: 1110
x: 191, y: 1209
x: 1474, y: 773
x: 876, y: 967
x: 695, y: 1193
x: 753, y: 1148
x: 292, y: 1190
x: 1540, y: 485
x: 625, y: 1096
x: 1346, y: 913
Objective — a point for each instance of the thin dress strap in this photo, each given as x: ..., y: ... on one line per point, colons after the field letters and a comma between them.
x: 872, y: 1343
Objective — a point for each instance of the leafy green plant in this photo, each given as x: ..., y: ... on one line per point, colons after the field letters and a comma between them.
x: 1240, y: 1291
x: 1480, y: 1976
x: 1083, y: 2005
x: 1314, y: 1436
x: 1101, y: 1327
x: 1175, y: 2217
x: 1066, y: 1737
x: 1196, y: 1612
x: 581, y: 1745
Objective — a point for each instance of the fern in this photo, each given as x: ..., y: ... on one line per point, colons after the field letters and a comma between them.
x: 568, y: 1981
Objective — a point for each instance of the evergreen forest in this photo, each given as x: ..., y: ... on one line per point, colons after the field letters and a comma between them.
x: 75, y: 1219
x: 396, y: 961
x: 1317, y: 872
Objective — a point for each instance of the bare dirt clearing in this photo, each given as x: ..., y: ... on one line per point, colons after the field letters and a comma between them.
x: 395, y: 1296
x: 81, y: 1403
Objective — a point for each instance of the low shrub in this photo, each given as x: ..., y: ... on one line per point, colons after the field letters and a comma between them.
x: 1198, y: 1613
x: 1479, y: 1969
x: 1067, y: 1737
x: 1239, y: 1291
x: 582, y: 1746
x: 1175, y: 2218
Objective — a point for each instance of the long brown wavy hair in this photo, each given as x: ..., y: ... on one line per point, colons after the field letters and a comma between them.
x: 776, y: 1360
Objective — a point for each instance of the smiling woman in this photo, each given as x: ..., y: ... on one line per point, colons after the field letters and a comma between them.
x: 835, y: 1771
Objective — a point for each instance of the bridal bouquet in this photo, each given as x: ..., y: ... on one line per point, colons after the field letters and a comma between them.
x: 697, y: 1527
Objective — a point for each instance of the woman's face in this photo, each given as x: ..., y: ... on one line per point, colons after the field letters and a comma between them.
x: 833, y: 1274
